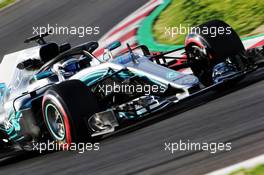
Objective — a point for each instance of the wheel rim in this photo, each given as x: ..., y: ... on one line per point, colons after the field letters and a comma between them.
x: 55, y: 122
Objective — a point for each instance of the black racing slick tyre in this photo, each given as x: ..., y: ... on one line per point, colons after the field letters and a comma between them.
x: 66, y: 108
x: 205, y: 48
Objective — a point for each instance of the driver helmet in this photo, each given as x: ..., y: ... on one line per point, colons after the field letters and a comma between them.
x: 71, y: 66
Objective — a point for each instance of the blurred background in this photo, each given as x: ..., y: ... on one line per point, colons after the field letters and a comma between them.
x: 245, y: 16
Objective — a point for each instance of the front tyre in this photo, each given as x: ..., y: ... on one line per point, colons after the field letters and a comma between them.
x: 205, y: 50
x: 66, y: 108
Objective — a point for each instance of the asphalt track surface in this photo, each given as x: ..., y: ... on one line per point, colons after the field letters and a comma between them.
x: 236, y: 115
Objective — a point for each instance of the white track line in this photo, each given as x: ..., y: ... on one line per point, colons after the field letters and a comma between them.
x: 132, y: 16
x: 115, y: 37
x: 250, y: 42
x: 245, y: 164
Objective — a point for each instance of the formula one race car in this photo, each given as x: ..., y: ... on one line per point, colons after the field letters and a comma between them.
x: 55, y: 93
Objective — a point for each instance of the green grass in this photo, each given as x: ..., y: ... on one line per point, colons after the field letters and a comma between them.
x: 5, y: 3
x: 258, y: 170
x: 243, y: 15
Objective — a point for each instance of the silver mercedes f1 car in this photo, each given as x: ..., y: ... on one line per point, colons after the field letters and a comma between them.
x: 68, y: 95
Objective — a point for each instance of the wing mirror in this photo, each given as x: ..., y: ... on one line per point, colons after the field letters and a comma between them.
x: 107, y: 53
x: 113, y: 45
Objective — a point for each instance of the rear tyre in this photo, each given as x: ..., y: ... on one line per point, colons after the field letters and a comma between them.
x: 207, y: 50
x: 66, y: 108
